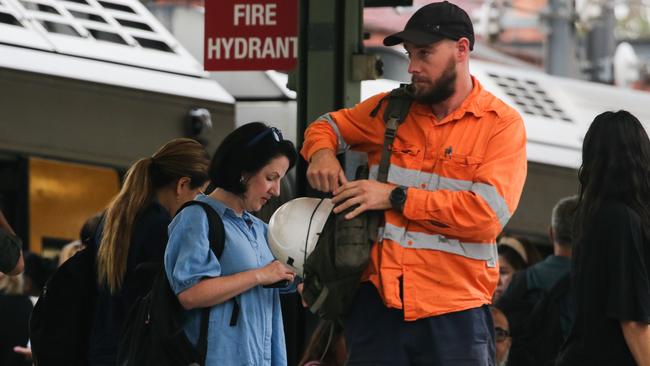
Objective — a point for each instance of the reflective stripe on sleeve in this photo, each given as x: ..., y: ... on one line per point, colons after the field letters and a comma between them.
x: 494, y: 200
x: 415, y: 240
x: 342, y: 145
x: 433, y: 182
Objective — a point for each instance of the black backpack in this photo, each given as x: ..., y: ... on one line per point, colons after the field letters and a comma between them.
x: 61, y: 321
x: 153, y: 333
x: 332, y: 272
x: 537, y: 329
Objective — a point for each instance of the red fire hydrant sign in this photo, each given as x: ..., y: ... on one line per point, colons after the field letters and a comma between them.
x: 250, y: 35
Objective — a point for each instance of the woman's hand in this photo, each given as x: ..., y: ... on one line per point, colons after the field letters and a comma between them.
x: 274, y: 272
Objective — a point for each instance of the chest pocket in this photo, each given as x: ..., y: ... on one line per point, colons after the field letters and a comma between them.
x: 458, y: 169
x: 406, y: 155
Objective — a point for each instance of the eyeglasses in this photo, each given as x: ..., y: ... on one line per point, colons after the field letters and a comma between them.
x: 501, y: 334
x: 276, y: 133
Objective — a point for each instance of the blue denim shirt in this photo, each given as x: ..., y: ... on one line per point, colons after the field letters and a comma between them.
x: 258, y: 337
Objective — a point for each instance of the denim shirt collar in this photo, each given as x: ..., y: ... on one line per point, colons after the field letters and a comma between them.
x: 223, y: 209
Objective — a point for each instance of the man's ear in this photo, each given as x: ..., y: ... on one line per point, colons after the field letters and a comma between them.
x: 462, y: 49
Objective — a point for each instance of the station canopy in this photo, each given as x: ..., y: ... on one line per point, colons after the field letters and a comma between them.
x: 116, y: 42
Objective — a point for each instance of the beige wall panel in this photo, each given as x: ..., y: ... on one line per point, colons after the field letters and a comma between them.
x: 63, y: 195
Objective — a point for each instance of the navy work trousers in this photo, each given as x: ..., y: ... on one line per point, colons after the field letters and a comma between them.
x: 377, y: 335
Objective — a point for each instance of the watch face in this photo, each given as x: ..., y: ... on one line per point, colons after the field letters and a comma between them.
x: 398, y: 197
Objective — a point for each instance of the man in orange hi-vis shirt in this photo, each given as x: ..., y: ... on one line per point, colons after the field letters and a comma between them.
x: 457, y: 169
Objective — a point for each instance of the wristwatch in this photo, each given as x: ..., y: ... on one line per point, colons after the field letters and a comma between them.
x: 398, y: 198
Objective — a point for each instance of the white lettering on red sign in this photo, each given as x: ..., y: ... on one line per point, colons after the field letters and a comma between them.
x: 255, y: 14
x: 251, y: 34
x: 252, y: 47
x: 226, y: 48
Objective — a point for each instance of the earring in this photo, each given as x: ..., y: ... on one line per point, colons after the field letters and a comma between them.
x: 242, y: 180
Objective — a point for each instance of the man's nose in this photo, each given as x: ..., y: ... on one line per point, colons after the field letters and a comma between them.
x: 414, y: 67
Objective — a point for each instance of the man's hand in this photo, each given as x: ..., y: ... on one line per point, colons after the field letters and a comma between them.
x: 368, y: 194
x: 325, y: 172
x: 299, y: 288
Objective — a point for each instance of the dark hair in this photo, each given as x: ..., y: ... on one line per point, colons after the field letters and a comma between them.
x: 38, y: 270
x: 244, y: 152
x: 516, y: 261
x: 615, y: 166
x: 562, y: 219
x: 87, y: 232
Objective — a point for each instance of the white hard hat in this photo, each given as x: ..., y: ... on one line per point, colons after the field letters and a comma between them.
x: 295, y: 227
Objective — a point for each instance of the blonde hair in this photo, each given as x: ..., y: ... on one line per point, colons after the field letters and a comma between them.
x: 12, y: 285
x: 176, y: 159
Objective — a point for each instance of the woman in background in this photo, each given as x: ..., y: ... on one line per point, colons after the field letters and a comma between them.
x: 134, y: 233
x: 611, y: 258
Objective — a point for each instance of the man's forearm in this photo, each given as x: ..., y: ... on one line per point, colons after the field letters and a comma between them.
x: 637, y: 337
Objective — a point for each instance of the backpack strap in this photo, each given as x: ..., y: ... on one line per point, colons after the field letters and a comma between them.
x: 217, y: 238
x: 216, y: 232
x: 399, y: 103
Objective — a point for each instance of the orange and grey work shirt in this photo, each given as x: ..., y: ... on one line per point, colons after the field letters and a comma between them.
x: 465, y: 175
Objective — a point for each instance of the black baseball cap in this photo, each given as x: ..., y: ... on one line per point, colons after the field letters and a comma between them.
x: 434, y: 22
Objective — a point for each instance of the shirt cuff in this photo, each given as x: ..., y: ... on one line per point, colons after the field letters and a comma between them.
x: 319, y: 145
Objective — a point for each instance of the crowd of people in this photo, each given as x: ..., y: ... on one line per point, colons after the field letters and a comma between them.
x: 443, y: 285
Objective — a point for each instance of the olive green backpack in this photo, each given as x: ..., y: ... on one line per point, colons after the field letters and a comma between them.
x: 332, y: 272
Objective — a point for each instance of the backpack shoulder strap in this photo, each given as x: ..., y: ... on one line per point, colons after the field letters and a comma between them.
x: 216, y: 233
x: 399, y: 104
x: 217, y: 238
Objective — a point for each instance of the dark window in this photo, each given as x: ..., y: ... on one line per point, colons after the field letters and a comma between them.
x: 153, y: 44
x: 106, y: 36
x: 78, y: 1
x: 9, y: 19
x: 87, y: 16
x: 39, y: 7
x: 59, y: 28
x: 119, y: 7
x: 136, y: 25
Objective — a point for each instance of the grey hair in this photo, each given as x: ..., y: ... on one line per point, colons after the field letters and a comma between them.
x: 562, y: 219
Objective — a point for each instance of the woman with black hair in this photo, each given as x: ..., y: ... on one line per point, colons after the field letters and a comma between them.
x: 611, y: 261
x: 245, y: 318
x: 511, y: 261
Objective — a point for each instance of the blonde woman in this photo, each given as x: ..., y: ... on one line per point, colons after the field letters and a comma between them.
x: 134, y: 235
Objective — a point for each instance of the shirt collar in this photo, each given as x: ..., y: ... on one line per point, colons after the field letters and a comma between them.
x: 222, y: 209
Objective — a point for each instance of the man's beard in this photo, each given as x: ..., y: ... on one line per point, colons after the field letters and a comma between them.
x: 441, y: 89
